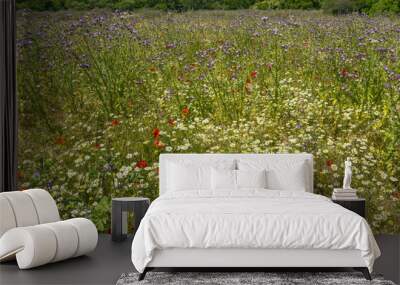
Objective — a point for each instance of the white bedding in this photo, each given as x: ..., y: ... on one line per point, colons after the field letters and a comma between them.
x: 251, y: 218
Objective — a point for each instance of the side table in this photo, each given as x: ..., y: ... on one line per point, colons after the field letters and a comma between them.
x: 119, y: 215
x: 357, y: 205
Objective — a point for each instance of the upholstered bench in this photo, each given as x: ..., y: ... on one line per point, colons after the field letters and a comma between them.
x: 31, y: 230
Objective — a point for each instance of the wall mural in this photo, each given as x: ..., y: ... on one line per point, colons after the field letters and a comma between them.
x: 102, y: 94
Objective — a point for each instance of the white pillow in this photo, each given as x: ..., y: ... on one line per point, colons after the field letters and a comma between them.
x: 182, y: 177
x: 190, y: 174
x: 223, y: 179
x: 226, y: 179
x: 281, y: 174
x: 251, y: 178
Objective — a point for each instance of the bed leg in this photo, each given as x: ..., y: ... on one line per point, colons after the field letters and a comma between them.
x: 143, y: 274
x: 364, y: 271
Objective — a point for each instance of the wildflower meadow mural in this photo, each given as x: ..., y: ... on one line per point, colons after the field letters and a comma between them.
x: 102, y: 94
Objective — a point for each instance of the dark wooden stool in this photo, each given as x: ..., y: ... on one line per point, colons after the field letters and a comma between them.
x: 119, y: 215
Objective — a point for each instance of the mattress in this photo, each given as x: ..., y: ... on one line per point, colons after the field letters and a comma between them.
x: 250, y: 219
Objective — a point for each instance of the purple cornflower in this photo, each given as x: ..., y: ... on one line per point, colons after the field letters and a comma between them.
x: 36, y: 174
x: 84, y: 65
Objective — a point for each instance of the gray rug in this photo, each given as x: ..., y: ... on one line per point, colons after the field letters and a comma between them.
x: 236, y: 278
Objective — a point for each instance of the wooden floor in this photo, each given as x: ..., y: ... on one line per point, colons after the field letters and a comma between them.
x: 111, y: 259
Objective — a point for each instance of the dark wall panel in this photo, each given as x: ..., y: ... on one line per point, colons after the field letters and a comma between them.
x: 8, y: 100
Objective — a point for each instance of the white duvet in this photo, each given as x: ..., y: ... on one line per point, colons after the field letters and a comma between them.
x: 252, y: 218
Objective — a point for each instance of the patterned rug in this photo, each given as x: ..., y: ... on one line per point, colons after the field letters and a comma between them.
x: 236, y: 278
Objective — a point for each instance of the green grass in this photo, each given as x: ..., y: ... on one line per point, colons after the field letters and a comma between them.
x: 94, y: 86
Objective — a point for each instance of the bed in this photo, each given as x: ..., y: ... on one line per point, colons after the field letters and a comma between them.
x: 246, y: 211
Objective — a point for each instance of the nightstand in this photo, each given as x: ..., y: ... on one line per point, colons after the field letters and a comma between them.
x: 357, y: 205
x: 119, y: 215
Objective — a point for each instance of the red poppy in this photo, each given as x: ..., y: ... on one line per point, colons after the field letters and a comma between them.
x: 171, y: 122
x: 97, y: 145
x: 156, y: 133
x: 329, y: 162
x: 253, y: 74
x: 158, y: 144
x: 141, y: 164
x: 344, y: 72
x: 185, y: 111
x: 60, y: 140
x: 115, y: 122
